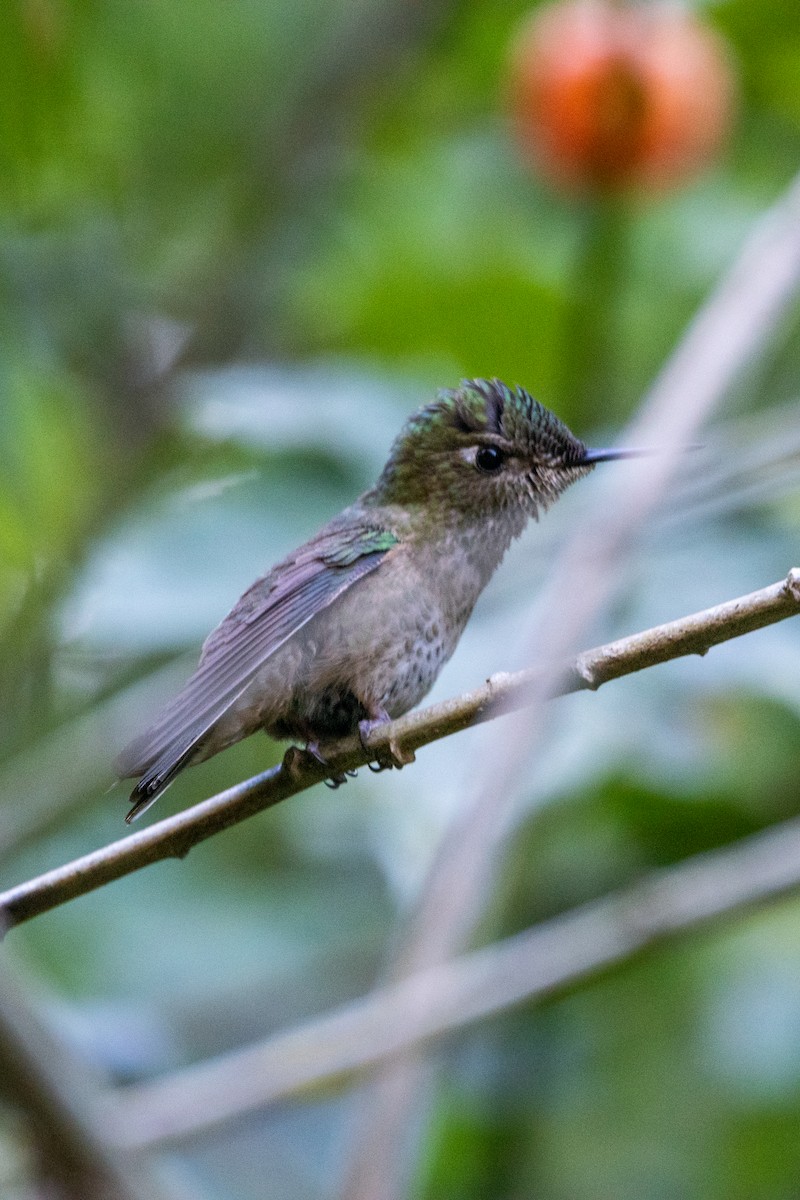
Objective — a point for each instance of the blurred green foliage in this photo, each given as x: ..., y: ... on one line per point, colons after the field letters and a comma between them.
x: 238, y: 244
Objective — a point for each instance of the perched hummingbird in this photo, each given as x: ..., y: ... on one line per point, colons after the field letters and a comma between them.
x: 353, y: 628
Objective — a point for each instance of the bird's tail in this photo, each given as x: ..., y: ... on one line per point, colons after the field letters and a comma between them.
x: 154, y: 781
x: 156, y: 763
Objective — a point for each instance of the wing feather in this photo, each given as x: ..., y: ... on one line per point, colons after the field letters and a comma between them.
x: 262, y: 621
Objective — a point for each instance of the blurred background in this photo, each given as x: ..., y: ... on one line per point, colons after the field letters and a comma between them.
x: 239, y: 243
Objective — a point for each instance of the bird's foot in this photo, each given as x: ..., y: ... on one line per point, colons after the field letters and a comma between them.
x: 295, y: 759
x: 392, y: 755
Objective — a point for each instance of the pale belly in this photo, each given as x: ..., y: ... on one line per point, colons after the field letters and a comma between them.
x: 378, y: 648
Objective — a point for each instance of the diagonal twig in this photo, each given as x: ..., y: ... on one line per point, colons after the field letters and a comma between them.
x: 175, y: 836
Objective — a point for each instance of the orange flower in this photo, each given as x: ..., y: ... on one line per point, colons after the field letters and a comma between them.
x: 607, y: 96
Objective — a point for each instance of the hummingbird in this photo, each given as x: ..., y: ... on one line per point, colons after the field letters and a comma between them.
x: 352, y: 629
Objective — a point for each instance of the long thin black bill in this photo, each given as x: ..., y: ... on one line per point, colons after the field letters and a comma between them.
x: 596, y: 456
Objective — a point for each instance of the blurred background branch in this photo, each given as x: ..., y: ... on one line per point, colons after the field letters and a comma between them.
x: 536, y: 964
x: 64, y: 1106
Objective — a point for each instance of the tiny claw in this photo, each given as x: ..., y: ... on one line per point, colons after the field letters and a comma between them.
x: 295, y: 759
x: 336, y: 780
x: 377, y: 767
x: 393, y: 755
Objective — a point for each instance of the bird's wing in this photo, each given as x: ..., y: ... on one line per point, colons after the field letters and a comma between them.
x: 265, y: 617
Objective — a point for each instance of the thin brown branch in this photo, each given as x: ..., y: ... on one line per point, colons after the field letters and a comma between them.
x: 733, y: 326
x: 537, y: 964
x: 176, y: 835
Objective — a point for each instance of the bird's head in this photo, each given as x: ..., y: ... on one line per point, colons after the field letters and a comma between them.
x: 485, y: 448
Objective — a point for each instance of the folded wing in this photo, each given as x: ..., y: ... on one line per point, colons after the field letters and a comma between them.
x: 262, y: 621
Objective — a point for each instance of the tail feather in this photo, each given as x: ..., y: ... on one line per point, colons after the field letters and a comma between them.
x: 157, y: 765
x: 155, y: 781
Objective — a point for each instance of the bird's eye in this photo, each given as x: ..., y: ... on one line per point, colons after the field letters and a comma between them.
x: 489, y: 459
